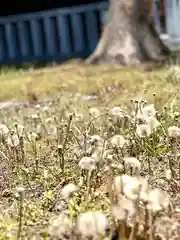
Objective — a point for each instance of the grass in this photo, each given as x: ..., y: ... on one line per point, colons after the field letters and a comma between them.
x: 77, y: 77
x: 62, y: 162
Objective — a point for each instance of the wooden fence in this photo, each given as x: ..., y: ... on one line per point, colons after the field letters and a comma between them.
x: 51, y: 35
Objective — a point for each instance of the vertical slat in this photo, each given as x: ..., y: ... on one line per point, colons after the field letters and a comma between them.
x: 176, y: 22
x: 10, y: 40
x: 77, y: 32
x: 169, y: 17
x: 64, y: 35
x: 156, y: 16
x: 49, y: 36
x: 36, y: 37
x: 2, y: 47
x: 22, y: 36
x: 92, y: 29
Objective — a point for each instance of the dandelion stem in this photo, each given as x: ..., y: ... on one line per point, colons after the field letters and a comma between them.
x: 89, y: 174
x: 21, y: 195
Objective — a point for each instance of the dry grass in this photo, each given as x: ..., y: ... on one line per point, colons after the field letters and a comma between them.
x: 77, y: 77
x: 42, y: 149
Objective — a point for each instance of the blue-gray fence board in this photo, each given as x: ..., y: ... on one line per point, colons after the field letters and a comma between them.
x: 51, y: 35
x: 67, y: 32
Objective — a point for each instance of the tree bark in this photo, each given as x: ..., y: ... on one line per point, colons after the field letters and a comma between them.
x: 130, y: 37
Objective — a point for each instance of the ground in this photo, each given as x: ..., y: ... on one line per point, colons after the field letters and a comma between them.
x: 86, y: 126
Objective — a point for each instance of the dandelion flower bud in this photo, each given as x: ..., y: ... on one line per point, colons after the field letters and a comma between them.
x: 20, y: 189
x: 173, y: 132
x: 87, y: 163
x: 91, y: 224
x: 168, y: 174
x: 13, y: 140
x: 32, y: 137
x: 34, y: 116
x: 45, y: 174
x: 20, y: 129
x: 68, y: 190
x: 20, y: 192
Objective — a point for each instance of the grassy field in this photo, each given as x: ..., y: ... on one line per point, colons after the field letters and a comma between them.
x: 88, y: 169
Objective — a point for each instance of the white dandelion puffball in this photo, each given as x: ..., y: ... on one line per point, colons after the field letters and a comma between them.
x: 118, y: 212
x: 143, y: 130
x: 116, y: 111
x: 4, y: 130
x: 158, y: 200
x: 68, y: 190
x: 147, y: 112
x: 60, y: 226
x: 133, y: 162
x: 91, y: 224
x: 87, y: 163
x: 132, y: 187
x: 118, y: 141
x: 173, y: 132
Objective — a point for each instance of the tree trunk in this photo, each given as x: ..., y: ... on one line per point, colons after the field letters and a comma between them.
x: 130, y: 37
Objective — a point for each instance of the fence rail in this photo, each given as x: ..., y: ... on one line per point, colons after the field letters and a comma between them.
x: 68, y: 32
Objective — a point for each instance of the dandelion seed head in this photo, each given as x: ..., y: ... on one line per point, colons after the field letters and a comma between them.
x: 133, y: 162
x: 118, y: 212
x: 118, y: 141
x: 116, y: 111
x: 131, y: 187
x: 87, y: 163
x: 4, y: 130
x: 68, y: 190
x: 158, y: 200
x: 137, y: 188
x: 91, y: 224
x: 97, y: 155
x: 60, y: 226
x: 143, y: 130
x: 127, y: 205
x: 147, y: 112
x: 173, y: 132
x: 153, y: 123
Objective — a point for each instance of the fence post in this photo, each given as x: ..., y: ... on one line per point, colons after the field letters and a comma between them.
x: 156, y: 16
